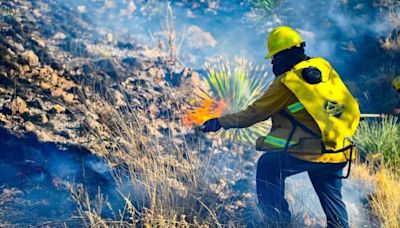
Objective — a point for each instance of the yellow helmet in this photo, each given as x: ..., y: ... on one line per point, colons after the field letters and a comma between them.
x: 281, y: 38
x: 396, y: 83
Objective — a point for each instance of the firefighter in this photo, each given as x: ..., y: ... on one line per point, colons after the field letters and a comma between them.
x: 313, y: 118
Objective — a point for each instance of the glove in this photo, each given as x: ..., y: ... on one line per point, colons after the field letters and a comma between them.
x: 211, y: 125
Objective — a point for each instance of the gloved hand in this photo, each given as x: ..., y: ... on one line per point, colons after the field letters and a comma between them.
x: 211, y: 125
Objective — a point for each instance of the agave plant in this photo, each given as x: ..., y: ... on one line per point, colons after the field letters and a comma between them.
x: 232, y: 86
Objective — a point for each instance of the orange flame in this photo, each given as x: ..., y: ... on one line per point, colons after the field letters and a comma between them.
x: 208, y: 109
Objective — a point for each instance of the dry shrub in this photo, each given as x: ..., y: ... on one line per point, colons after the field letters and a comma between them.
x: 379, y: 141
x: 392, y: 42
x: 159, y: 178
x: 384, y: 202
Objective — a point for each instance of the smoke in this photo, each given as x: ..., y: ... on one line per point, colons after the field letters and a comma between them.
x: 40, y: 173
x: 347, y: 33
x: 305, y: 201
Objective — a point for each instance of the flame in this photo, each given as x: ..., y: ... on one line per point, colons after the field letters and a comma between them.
x: 208, y: 109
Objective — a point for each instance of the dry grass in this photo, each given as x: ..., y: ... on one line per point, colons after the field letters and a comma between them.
x: 384, y: 202
x: 391, y: 43
x: 379, y: 140
x: 159, y: 178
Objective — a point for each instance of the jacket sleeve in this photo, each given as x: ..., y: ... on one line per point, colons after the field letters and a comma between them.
x: 271, y: 102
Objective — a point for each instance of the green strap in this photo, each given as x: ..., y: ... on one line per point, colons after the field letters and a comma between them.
x: 278, y: 142
x: 295, y: 107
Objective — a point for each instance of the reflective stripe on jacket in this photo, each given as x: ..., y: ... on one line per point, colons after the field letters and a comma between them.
x: 277, y: 98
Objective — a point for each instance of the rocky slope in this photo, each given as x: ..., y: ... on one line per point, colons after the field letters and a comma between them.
x: 60, y: 78
x: 50, y: 74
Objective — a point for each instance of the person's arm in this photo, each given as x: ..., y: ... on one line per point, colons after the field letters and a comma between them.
x: 274, y: 100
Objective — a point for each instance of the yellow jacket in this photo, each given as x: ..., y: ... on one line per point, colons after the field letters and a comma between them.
x: 277, y: 98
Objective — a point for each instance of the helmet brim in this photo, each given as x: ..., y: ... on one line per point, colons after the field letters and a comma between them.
x: 270, y: 54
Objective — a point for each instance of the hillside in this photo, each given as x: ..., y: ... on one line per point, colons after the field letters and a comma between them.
x: 100, y: 103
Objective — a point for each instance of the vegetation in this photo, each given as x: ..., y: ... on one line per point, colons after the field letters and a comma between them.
x: 265, y: 5
x: 381, y: 138
x: 231, y: 87
x: 160, y: 188
x: 385, y: 201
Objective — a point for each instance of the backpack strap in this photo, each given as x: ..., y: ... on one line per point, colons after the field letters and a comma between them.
x: 296, y: 123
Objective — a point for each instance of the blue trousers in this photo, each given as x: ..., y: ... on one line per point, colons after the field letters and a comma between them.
x: 274, y: 167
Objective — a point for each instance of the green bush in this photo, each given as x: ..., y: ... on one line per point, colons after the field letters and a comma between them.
x: 381, y: 137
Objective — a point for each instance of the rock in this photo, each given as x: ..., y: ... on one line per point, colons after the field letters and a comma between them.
x: 26, y: 68
x: 137, y: 63
x: 127, y: 46
x: 67, y: 97
x: 53, y: 79
x: 43, y: 72
x: 3, y: 118
x: 152, y: 72
x: 31, y: 58
x: 197, y: 38
x: 107, y: 66
x: 58, y: 108
x: 57, y: 92
x: 75, y: 47
x: 29, y: 126
x: 65, y: 84
x: 59, y: 36
x: 16, y: 46
x: 45, y: 85
x: 39, y: 41
x: 19, y: 106
x: 48, y: 69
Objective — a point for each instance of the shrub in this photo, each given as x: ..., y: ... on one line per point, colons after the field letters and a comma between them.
x: 381, y: 137
x: 232, y: 86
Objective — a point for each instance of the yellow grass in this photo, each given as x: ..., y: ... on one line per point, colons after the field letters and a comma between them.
x: 385, y: 202
x: 385, y: 199
x: 166, y: 186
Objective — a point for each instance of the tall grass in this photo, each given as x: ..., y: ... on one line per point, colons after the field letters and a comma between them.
x: 160, y: 179
x: 385, y: 202
x: 381, y: 137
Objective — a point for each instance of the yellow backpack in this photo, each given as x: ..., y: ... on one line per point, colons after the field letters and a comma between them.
x: 329, y: 102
